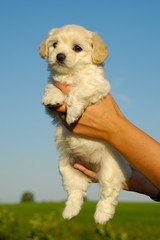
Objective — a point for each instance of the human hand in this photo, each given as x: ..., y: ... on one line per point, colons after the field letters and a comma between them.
x: 98, y: 120
x: 136, y: 183
x: 93, y: 176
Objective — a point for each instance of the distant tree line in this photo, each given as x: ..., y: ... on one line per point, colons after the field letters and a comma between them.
x: 27, y: 197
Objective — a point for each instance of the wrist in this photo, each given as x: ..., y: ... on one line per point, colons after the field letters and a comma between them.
x: 116, y: 131
x: 140, y: 184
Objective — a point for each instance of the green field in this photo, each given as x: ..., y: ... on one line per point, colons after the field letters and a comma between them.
x: 43, y: 221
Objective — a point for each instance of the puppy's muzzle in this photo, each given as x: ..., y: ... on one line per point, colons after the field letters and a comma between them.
x: 61, y: 57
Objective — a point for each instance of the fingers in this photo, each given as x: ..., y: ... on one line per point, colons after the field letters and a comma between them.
x: 92, y: 175
x: 63, y: 87
x: 62, y: 108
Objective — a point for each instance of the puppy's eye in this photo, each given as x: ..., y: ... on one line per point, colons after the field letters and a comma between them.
x: 77, y: 48
x: 55, y: 44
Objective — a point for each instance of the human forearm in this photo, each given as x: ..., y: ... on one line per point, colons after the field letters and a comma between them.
x: 138, y: 148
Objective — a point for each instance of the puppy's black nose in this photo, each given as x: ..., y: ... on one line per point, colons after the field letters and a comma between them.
x: 61, y: 57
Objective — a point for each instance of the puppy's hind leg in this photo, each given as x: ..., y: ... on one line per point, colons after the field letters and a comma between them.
x: 106, y: 206
x: 110, y: 186
x: 76, y: 184
x: 111, y: 179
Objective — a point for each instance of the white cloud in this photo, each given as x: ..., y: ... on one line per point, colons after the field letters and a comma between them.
x: 123, y: 99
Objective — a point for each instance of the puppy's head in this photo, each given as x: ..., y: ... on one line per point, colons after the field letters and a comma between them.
x: 72, y: 47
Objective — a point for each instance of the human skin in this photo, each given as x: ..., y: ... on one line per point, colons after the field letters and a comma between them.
x: 104, y: 120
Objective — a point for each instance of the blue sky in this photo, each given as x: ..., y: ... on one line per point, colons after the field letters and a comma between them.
x: 131, y: 29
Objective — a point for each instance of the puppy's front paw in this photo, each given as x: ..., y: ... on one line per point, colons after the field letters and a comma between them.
x: 73, y: 114
x: 54, y: 101
x: 71, y: 119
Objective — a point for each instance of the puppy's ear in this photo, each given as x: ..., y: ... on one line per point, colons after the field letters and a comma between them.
x: 43, y: 47
x: 99, y: 52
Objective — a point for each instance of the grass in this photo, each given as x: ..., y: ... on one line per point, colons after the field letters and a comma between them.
x: 43, y: 221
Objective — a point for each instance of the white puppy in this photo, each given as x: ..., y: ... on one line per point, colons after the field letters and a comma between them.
x: 75, y: 57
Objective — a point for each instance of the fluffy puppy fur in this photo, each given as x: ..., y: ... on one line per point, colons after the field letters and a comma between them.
x: 75, y: 56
